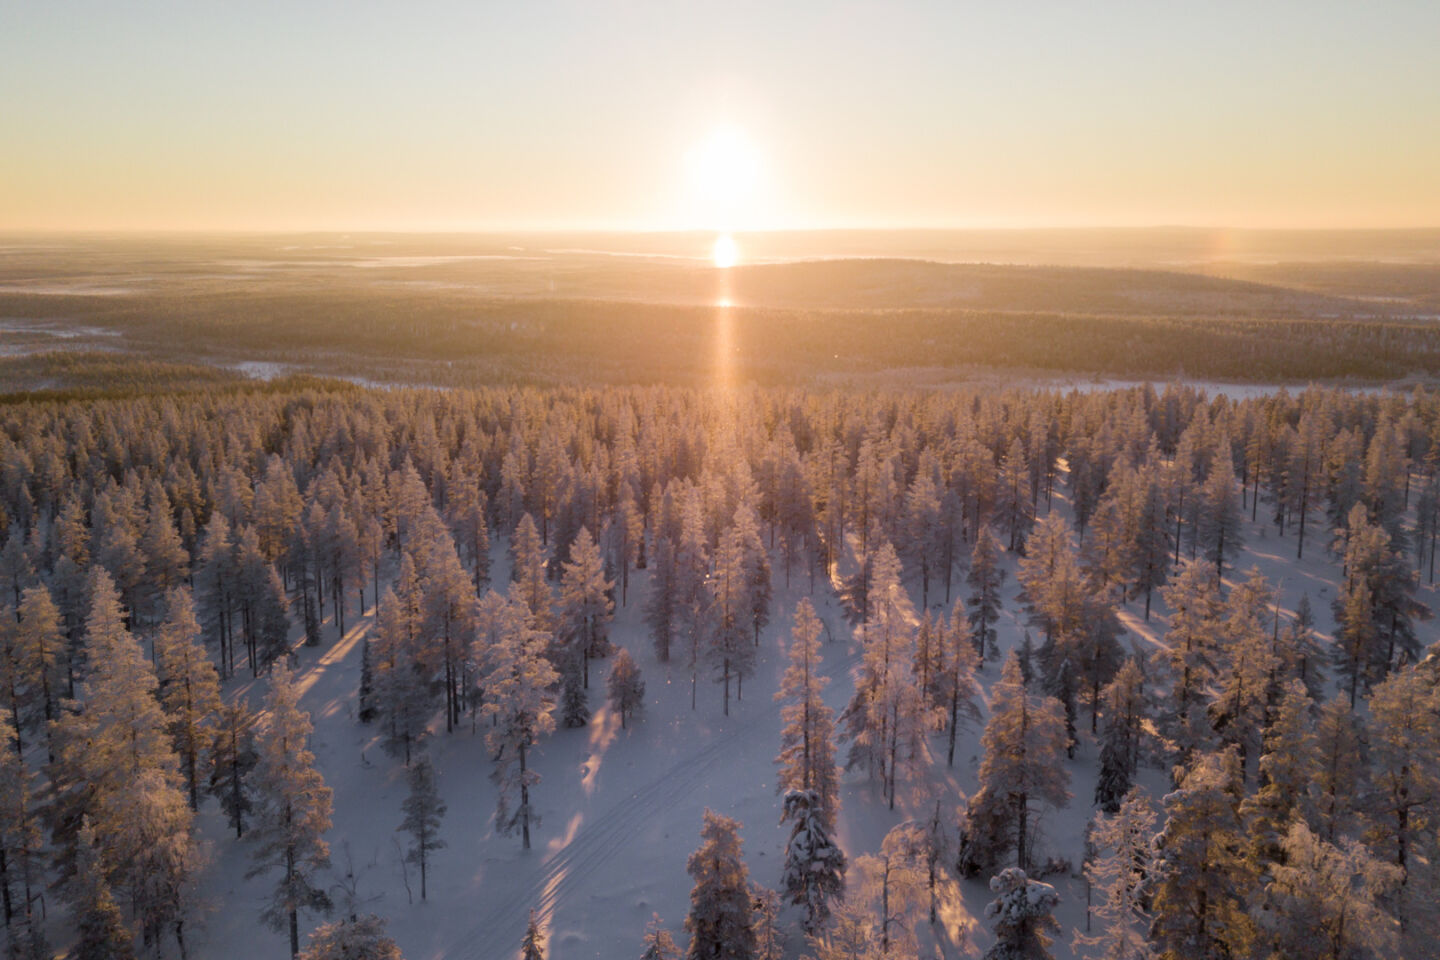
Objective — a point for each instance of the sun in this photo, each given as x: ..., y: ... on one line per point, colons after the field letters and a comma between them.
x: 724, y: 252
x: 723, y: 171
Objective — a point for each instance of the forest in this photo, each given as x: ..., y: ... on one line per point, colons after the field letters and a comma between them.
x: 1183, y: 641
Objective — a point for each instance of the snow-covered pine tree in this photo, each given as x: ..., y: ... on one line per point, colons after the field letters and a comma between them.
x: 402, y: 694
x: 527, y: 568
x: 959, y: 691
x: 1238, y: 706
x: 626, y: 688
x: 423, y: 810
x: 1125, y: 715
x: 21, y: 863
x: 659, y: 944
x: 1187, y: 660
x: 292, y: 811
x: 518, y: 678
x: 585, y: 605
x: 1404, y: 741
x: 100, y: 929
x: 719, y: 920
x: 40, y: 640
x: 807, y: 750
x: 814, y: 873
x: 765, y: 921
x: 1124, y: 850
x: 985, y: 578
x: 353, y: 938
x: 1329, y: 900
x: 189, y: 687
x: 1339, y: 781
x: 1203, y: 878
x: 532, y: 945
x: 891, y: 884
x: 1022, y: 913
x: 1219, y: 532
x: 1287, y: 768
x: 233, y: 756
x: 660, y: 610
x: 1023, y: 766
x: 729, y: 650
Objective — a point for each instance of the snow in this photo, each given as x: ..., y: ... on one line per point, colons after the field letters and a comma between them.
x: 621, y: 810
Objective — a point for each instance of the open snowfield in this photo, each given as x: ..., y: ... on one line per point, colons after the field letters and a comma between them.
x: 621, y: 809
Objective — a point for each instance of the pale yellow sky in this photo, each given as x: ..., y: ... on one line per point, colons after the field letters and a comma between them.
x: 639, y: 115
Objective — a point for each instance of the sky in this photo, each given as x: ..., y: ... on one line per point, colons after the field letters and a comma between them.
x: 477, y: 115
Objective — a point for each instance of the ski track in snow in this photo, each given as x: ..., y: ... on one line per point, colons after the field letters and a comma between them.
x: 504, y: 924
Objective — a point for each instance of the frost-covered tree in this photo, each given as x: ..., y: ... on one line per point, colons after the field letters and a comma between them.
x: 189, y: 687
x: 402, y: 688
x: 100, y: 929
x: 1023, y: 767
x: 1328, y: 901
x: 1203, y: 878
x: 807, y: 740
x: 1219, y: 532
x: 354, y: 938
x: 985, y: 578
x: 585, y: 605
x: 1338, y: 784
x: 719, y: 920
x: 1287, y: 768
x: 1125, y: 716
x: 888, y: 716
x: 729, y: 650
x: 1238, y: 707
x: 1404, y: 741
x: 661, y: 608
x: 532, y: 945
x: 1022, y: 914
x: 21, y: 866
x: 814, y: 873
x: 626, y: 688
x: 959, y: 694
x: 659, y: 944
x: 1187, y: 660
x: 40, y: 643
x: 292, y: 811
x: 527, y: 568
x: 1124, y: 850
x: 890, y: 884
x: 518, y: 678
x: 233, y: 756
x: 423, y: 810
x: 765, y: 920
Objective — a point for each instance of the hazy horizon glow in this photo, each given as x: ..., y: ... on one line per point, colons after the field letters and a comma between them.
x: 724, y: 117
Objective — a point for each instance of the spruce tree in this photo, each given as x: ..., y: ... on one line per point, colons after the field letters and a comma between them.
x: 719, y: 919
x: 1022, y: 913
x: 659, y: 944
x: 959, y: 692
x: 532, y: 946
x: 626, y: 688
x: 423, y: 810
x: 814, y: 873
x: 233, y: 756
x: 1118, y: 872
x: 1125, y: 716
x: 1023, y: 766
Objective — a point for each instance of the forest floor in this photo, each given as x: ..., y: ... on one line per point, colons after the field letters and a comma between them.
x: 621, y: 808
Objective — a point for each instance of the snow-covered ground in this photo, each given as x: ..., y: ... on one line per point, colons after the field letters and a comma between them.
x: 622, y: 809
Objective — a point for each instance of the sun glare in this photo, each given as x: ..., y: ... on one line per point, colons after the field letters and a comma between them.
x: 724, y: 252
x: 724, y: 170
